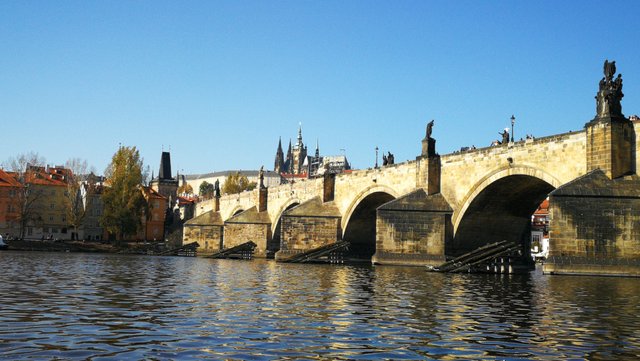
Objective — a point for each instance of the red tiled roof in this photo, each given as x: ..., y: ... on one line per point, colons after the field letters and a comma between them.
x: 44, y: 179
x: 543, y: 209
x: 186, y: 200
x: 9, y: 179
x: 151, y: 193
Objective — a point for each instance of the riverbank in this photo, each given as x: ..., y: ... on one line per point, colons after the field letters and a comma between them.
x: 82, y: 246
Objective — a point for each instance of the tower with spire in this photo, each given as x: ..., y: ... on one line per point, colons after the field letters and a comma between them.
x: 288, y: 163
x: 299, y: 154
x: 165, y: 184
x: 278, y: 166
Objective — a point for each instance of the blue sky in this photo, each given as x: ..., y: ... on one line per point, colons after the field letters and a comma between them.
x: 218, y: 82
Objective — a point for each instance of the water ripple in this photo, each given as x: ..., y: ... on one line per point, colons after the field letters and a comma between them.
x: 107, y: 307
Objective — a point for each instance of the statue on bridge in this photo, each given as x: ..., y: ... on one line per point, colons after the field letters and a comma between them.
x: 261, y: 176
x: 505, y: 136
x: 216, y: 189
x: 609, y: 93
x: 429, y: 129
x: 428, y: 143
x: 387, y: 159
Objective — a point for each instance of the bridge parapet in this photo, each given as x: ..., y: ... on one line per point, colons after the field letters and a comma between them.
x: 229, y: 204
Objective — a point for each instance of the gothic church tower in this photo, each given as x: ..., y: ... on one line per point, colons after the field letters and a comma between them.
x: 278, y: 167
x: 299, y: 154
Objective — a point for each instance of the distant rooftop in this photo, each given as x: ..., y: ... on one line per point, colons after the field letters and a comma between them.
x: 226, y: 173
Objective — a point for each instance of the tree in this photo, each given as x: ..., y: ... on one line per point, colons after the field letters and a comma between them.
x: 185, y: 188
x: 27, y: 195
x: 79, y: 193
x: 124, y: 203
x: 236, y: 183
x: 206, y: 190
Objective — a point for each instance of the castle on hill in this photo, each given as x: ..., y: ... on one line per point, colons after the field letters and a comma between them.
x: 298, y: 164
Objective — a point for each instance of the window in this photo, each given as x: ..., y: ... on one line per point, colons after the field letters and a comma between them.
x: 52, y: 206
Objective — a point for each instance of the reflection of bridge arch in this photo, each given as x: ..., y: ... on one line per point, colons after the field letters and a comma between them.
x: 499, y: 207
x: 360, y: 227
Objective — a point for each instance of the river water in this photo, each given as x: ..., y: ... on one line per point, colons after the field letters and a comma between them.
x: 111, y: 307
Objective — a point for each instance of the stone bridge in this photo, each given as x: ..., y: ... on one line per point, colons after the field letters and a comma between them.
x: 424, y: 211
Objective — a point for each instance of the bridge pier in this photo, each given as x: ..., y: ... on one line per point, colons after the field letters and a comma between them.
x: 595, y: 219
x: 310, y: 225
x: 595, y: 226
x: 249, y: 225
x: 207, y: 230
x: 413, y: 230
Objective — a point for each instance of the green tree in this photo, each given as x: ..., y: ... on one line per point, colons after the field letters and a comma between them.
x: 124, y: 203
x: 206, y: 189
x: 236, y: 183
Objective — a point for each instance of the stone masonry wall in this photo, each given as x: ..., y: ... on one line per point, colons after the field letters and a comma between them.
x: 208, y: 237
x: 303, y: 233
x: 236, y: 234
x: 609, y: 147
x: 411, y: 237
x: 594, y: 235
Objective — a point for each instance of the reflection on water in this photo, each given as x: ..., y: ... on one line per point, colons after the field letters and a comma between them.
x: 76, y: 306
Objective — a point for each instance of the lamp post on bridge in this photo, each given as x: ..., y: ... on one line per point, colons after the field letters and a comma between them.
x: 376, y: 157
x: 513, y: 121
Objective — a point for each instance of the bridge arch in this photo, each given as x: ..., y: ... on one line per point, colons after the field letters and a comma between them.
x: 286, y: 205
x: 359, y: 222
x: 499, y: 207
x: 496, y: 174
x: 235, y: 211
x: 274, y: 246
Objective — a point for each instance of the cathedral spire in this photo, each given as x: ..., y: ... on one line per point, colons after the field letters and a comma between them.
x: 279, y: 162
x: 317, y: 149
x: 289, y: 161
x: 299, y: 145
